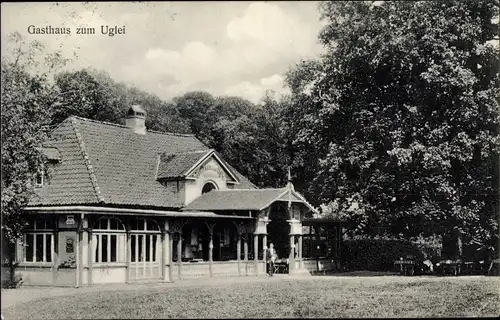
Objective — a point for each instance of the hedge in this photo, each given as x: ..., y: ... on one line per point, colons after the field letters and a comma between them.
x: 380, y: 254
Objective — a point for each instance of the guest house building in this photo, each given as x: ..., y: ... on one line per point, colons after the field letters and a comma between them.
x: 121, y: 204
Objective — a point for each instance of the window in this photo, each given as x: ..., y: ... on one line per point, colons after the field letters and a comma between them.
x: 209, y: 186
x: 38, y: 240
x: 39, y: 177
x: 144, y: 225
x: 145, y: 241
x: 39, y: 247
x: 109, y: 241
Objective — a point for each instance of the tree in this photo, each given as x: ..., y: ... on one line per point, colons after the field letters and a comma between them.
x: 249, y: 136
x: 194, y: 106
x: 403, y: 113
x: 161, y: 115
x: 26, y: 103
x: 88, y: 96
x: 93, y: 94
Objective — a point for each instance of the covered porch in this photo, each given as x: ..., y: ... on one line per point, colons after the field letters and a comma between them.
x: 222, y: 233
x: 282, y: 217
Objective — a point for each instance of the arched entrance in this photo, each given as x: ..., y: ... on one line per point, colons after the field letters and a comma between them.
x: 278, y: 230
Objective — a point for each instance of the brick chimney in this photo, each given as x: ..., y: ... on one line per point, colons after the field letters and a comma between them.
x: 136, y: 119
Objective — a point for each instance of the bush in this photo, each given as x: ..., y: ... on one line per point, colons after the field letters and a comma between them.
x: 380, y: 254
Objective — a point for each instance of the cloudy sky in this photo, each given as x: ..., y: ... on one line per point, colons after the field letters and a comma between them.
x: 169, y: 48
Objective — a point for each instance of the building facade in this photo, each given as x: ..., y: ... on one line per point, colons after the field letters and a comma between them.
x: 120, y: 204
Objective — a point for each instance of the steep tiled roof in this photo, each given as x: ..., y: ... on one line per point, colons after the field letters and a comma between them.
x: 110, y: 164
x: 175, y: 165
x: 69, y: 179
x: 243, y: 199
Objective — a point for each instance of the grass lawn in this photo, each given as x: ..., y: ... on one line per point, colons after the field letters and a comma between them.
x: 390, y: 296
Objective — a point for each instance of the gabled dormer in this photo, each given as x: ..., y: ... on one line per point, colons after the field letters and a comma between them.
x: 51, y: 156
x: 195, y: 173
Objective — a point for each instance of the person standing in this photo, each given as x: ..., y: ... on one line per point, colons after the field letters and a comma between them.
x: 270, y: 257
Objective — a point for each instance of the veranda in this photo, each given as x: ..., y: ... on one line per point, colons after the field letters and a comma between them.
x: 81, y: 246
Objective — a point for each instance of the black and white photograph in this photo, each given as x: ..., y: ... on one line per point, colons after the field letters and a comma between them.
x: 250, y: 159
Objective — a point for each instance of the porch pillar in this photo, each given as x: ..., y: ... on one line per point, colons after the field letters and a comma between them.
x: 210, y: 227
x: 301, y: 263
x: 295, y: 248
x: 84, y: 253
x: 245, y: 252
x: 239, y: 231
x: 170, y: 255
x: 264, y: 245
x: 78, y: 256
x: 90, y: 257
x: 179, y: 255
x: 256, y: 252
x: 166, y: 253
x: 175, y: 228
x: 238, y: 252
x: 128, y: 253
x: 211, y: 254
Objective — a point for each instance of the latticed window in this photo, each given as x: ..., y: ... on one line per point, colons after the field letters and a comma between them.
x: 145, y: 241
x: 109, y: 241
x: 38, y: 240
x: 38, y: 178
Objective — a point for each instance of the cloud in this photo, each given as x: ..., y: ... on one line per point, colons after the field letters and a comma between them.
x: 171, y: 48
x: 268, y: 25
x: 265, y: 36
x: 255, y: 91
x: 273, y: 80
x: 193, y: 63
x: 247, y: 90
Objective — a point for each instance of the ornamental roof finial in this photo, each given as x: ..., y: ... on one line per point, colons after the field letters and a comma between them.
x: 290, y: 184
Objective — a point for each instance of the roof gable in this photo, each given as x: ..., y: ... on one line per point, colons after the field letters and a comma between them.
x: 177, y: 165
x: 203, y: 164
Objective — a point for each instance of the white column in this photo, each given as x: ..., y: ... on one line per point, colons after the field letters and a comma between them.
x: 166, y: 253
x: 238, y: 252
x: 170, y: 255
x: 85, y: 256
x: 78, y: 258
x: 300, y: 252
x: 129, y: 255
x: 291, y: 257
x: 179, y: 255
x: 211, y: 252
x: 264, y: 246
x: 245, y: 250
x: 256, y: 252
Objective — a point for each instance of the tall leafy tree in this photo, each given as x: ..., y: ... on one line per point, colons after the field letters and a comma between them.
x: 194, y: 106
x: 26, y: 100
x: 88, y: 97
x: 402, y: 112
x: 249, y: 136
x: 93, y: 94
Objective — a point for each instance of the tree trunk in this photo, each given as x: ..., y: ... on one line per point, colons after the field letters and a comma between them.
x: 11, y: 248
